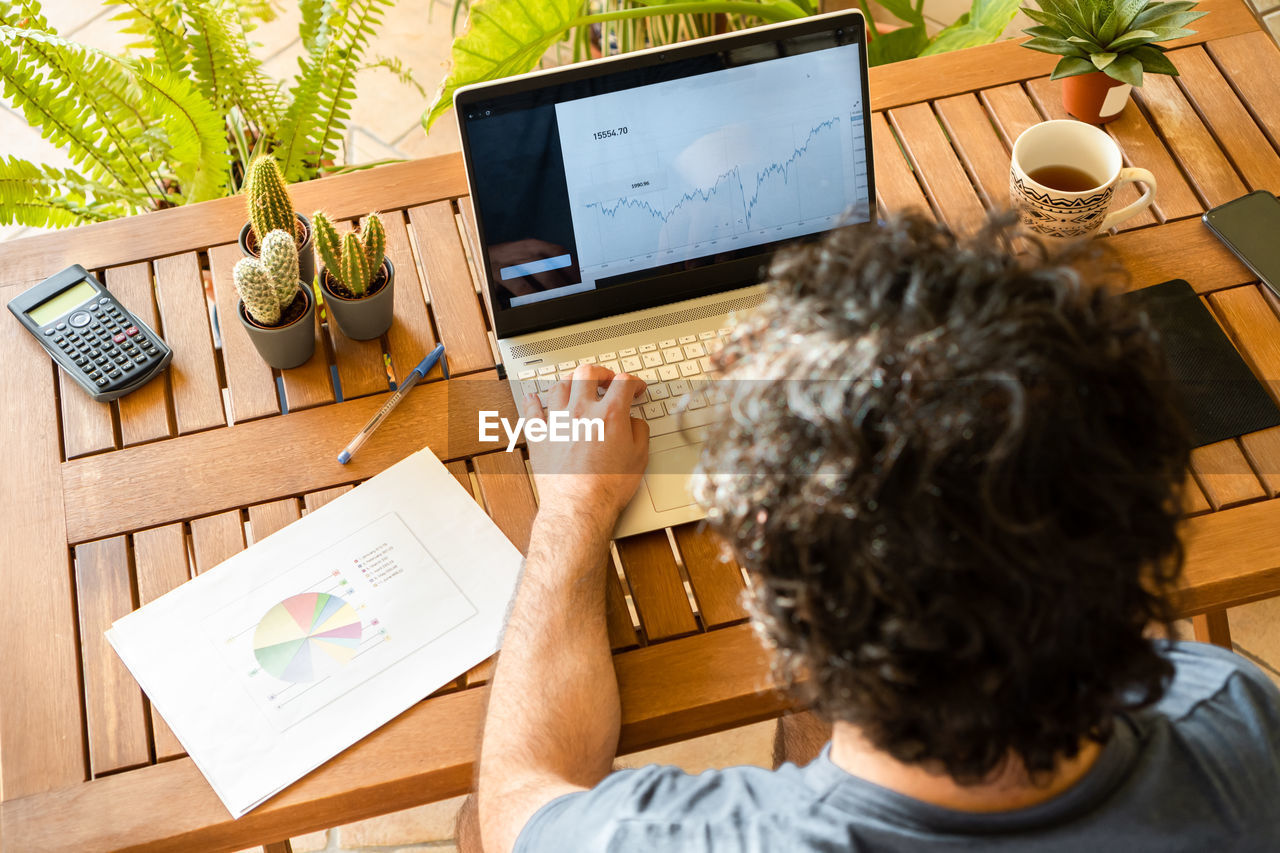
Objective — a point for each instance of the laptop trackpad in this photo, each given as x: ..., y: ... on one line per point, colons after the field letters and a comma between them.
x: 667, y: 476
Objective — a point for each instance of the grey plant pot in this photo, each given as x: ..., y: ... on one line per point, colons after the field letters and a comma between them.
x: 306, y: 257
x: 362, y: 319
x: 288, y: 346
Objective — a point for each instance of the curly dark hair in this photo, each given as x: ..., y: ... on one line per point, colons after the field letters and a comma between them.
x: 954, y: 479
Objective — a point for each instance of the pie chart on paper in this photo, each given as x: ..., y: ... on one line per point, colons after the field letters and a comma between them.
x: 307, y: 637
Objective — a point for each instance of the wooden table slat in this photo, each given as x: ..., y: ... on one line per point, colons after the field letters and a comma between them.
x: 617, y: 616
x: 39, y: 669
x: 303, y: 449
x: 1048, y: 95
x: 410, y: 337
x: 251, y: 383
x: 144, y: 414
x: 1011, y: 110
x: 482, y: 672
x: 1263, y: 451
x: 160, y: 563
x: 936, y: 165
x: 113, y: 700
x: 896, y: 185
x: 1185, y: 249
x: 1233, y: 557
x: 1231, y: 123
x: 453, y: 299
x: 1194, y: 502
x: 315, y: 500
x: 1252, y: 65
x: 716, y: 579
x: 1225, y: 475
x: 361, y: 369
x: 268, y: 518
x: 311, y: 383
x: 193, y: 372
x: 508, y: 497
x: 215, y: 538
x: 1212, y: 175
x: 978, y: 146
x: 656, y: 586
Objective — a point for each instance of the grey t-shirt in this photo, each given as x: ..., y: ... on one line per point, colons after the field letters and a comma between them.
x: 1199, y: 771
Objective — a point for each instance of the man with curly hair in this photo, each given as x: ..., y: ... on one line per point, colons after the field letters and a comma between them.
x: 954, y: 480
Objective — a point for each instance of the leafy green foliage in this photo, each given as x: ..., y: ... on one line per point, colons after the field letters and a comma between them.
x: 508, y: 37
x: 1116, y: 37
x: 179, y: 116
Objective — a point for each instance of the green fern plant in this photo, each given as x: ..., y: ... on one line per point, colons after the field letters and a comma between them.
x: 180, y: 115
x: 268, y: 284
x: 354, y: 259
x: 1117, y: 38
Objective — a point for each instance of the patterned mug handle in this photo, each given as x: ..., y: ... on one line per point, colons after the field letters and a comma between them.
x: 1148, y: 195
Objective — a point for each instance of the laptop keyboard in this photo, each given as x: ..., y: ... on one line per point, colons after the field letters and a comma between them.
x: 681, y: 392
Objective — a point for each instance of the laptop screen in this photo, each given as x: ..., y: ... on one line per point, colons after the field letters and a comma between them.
x: 620, y: 185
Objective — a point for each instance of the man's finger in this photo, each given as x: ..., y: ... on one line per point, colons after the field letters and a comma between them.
x: 558, y: 396
x: 532, y: 407
x: 587, y: 378
x: 623, y: 389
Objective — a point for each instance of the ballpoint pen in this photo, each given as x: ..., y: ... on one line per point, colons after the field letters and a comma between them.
x: 388, y: 407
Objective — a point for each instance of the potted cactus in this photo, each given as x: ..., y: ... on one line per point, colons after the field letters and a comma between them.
x: 1105, y: 46
x: 271, y: 209
x: 276, y: 308
x: 357, y: 276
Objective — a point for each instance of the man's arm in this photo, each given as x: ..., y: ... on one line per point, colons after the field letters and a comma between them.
x: 553, y: 717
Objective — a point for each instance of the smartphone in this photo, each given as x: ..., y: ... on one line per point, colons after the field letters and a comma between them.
x: 1250, y: 226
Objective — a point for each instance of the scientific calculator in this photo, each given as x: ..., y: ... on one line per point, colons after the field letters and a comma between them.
x: 93, y: 338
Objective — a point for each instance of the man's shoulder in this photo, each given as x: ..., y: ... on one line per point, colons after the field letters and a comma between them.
x: 655, y: 801
x: 1211, y: 682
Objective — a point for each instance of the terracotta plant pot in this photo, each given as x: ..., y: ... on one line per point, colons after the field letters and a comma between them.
x: 1094, y: 97
x: 306, y: 258
x: 285, y: 346
x: 369, y: 316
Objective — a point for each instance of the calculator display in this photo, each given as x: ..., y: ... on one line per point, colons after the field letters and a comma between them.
x: 53, y: 308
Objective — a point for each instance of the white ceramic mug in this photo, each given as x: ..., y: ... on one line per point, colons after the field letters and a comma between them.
x: 1060, y: 214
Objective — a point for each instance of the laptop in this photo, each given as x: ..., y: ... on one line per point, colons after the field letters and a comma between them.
x: 626, y: 210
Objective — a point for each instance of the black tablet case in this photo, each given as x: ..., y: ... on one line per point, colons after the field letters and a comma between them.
x: 1220, y: 395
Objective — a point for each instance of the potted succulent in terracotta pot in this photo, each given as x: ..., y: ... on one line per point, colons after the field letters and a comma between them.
x: 1105, y: 46
x: 271, y: 209
x: 357, y: 276
x: 276, y: 308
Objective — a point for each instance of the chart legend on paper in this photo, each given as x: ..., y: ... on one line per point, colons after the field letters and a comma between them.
x: 307, y: 636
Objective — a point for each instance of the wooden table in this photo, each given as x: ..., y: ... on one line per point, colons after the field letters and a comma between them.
x: 106, y: 507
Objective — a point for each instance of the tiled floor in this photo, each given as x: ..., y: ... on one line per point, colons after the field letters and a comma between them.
x: 385, y: 123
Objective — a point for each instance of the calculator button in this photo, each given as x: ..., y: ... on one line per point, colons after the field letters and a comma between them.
x: 126, y: 366
x: 60, y: 326
x: 102, y: 359
x: 80, y: 319
x: 48, y: 331
x: 114, y: 373
x: 104, y: 301
x: 119, y: 338
x: 101, y: 382
x: 93, y: 307
x: 140, y: 359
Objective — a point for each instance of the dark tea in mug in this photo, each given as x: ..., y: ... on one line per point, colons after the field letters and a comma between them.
x: 1067, y: 179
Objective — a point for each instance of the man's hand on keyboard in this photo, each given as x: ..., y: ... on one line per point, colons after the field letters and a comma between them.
x: 589, y: 475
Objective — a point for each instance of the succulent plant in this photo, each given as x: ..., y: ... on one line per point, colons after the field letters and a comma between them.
x: 270, y: 208
x: 1116, y: 37
x: 354, y: 259
x: 268, y: 284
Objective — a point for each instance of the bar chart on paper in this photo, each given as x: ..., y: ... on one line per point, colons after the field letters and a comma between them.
x: 672, y: 171
x: 323, y: 627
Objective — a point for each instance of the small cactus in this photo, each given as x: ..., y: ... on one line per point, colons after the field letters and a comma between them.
x: 270, y: 208
x: 354, y: 259
x: 268, y: 286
